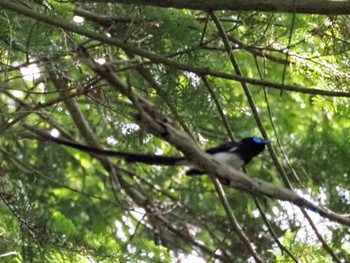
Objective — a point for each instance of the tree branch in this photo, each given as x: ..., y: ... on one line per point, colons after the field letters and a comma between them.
x: 288, y: 6
x: 150, y: 119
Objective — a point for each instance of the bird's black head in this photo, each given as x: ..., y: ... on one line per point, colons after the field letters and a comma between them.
x: 251, y: 147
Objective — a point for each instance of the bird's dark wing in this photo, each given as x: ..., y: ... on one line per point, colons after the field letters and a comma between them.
x: 225, y: 147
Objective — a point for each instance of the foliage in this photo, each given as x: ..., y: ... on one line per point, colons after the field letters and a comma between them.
x: 64, y: 205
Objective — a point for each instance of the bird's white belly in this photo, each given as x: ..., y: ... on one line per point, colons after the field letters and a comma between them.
x: 229, y: 159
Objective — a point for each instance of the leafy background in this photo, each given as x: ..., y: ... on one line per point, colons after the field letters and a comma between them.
x: 64, y: 205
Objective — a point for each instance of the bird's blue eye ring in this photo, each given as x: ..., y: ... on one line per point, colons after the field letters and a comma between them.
x: 259, y: 140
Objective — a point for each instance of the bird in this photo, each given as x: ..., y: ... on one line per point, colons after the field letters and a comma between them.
x: 236, y: 154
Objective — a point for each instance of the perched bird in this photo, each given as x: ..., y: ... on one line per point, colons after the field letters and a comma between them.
x: 235, y: 154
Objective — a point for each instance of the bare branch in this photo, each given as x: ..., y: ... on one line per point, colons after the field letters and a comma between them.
x: 289, y: 6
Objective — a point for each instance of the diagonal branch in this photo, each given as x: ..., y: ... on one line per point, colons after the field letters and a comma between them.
x: 150, y: 119
x: 233, y: 221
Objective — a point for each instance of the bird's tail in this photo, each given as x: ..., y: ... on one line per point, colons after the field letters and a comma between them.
x: 127, y: 156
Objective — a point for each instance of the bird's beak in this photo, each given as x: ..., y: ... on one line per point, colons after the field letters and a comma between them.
x: 266, y: 142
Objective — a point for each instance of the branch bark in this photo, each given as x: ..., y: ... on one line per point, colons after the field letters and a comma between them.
x: 289, y: 6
